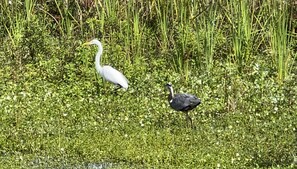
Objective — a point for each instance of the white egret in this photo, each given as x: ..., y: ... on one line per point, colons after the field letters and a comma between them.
x: 182, y: 102
x: 107, y: 72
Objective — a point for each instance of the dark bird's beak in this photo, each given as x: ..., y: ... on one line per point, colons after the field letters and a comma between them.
x: 168, y: 85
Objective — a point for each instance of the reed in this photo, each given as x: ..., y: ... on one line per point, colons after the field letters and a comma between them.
x: 29, y: 6
x: 280, y: 39
x: 237, y: 56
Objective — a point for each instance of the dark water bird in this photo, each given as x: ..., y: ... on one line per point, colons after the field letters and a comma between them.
x: 182, y: 102
x: 107, y: 72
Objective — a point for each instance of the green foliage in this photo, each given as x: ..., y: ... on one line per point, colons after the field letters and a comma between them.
x: 280, y: 40
x: 56, y: 112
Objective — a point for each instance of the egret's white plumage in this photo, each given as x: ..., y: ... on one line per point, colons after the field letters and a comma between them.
x: 107, y: 72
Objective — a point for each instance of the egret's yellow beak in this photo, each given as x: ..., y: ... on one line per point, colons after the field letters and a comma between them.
x: 87, y: 43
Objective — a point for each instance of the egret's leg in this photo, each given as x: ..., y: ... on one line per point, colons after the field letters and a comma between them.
x: 97, y: 84
x: 103, y: 83
x: 116, y: 89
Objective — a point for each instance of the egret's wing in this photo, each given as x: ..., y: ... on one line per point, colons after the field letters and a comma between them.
x: 114, y: 76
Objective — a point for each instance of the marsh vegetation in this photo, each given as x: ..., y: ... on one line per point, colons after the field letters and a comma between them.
x: 238, y: 57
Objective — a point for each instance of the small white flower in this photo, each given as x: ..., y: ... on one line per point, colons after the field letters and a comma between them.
x: 23, y: 93
x: 257, y: 66
x: 275, y: 108
x: 141, y: 123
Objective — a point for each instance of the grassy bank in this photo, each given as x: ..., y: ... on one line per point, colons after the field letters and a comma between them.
x: 238, y: 57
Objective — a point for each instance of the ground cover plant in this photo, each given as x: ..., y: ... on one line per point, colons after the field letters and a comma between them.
x: 238, y: 57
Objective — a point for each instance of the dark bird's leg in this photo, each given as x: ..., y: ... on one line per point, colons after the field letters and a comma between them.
x: 188, y: 118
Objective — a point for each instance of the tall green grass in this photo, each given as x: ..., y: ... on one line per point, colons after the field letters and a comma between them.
x: 185, y: 30
x: 241, y: 18
x: 29, y: 5
x: 210, y: 22
x: 237, y: 56
x: 280, y: 39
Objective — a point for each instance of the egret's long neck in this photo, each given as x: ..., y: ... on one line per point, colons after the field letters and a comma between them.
x: 97, y: 58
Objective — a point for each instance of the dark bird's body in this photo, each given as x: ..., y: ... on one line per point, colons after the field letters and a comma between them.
x: 182, y: 102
